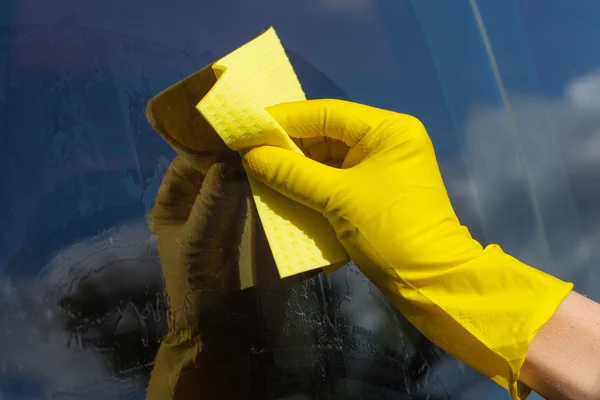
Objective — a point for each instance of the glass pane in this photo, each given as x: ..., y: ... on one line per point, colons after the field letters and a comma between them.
x: 507, y: 90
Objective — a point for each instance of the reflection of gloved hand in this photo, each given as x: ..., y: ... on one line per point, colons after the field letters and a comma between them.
x: 390, y: 210
x: 195, y: 220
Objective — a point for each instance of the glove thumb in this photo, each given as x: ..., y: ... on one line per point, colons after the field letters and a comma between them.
x: 295, y: 176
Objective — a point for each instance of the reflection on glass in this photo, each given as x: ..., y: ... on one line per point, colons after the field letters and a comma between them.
x: 82, y: 300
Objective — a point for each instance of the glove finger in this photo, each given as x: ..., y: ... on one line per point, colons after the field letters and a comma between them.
x: 325, y: 150
x: 337, y: 119
x: 216, y: 206
x: 212, y: 236
x: 177, y: 192
x: 301, y: 179
x: 361, y: 128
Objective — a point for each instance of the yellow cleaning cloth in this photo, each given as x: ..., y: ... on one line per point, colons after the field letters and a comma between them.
x: 256, y: 76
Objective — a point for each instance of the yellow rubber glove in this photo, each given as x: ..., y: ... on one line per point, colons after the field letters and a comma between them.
x: 196, y: 218
x: 390, y: 210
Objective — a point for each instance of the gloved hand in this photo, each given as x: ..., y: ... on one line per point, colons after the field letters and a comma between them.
x: 195, y: 218
x: 390, y: 210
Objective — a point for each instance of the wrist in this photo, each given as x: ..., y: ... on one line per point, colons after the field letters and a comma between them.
x: 563, y: 359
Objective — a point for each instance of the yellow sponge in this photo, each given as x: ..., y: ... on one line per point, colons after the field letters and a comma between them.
x: 248, y: 80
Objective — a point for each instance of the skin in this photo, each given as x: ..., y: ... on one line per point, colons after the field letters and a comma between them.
x: 563, y: 360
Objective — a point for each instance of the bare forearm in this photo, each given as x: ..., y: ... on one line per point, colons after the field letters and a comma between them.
x: 563, y: 360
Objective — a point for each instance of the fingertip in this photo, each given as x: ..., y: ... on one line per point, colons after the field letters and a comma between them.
x: 255, y: 161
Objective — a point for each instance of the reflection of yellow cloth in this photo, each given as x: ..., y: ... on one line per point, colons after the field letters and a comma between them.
x: 232, y: 95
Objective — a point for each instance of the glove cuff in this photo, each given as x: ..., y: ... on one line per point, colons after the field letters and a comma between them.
x: 486, y: 312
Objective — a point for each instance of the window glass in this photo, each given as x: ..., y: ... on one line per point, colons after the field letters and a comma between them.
x: 509, y: 93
